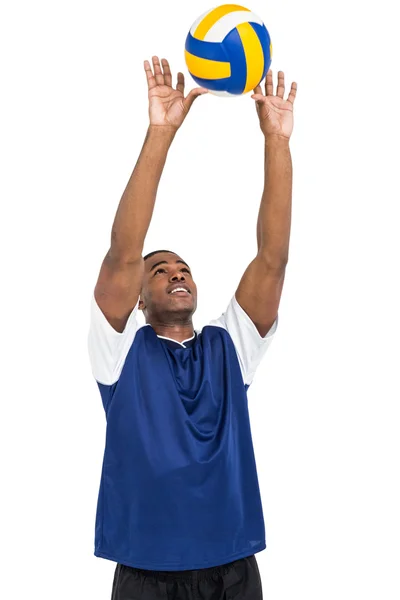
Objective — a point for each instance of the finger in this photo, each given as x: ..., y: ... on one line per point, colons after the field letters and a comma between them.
x: 167, y: 72
x: 149, y: 74
x: 292, y: 93
x: 259, y: 102
x: 280, y: 89
x: 258, y: 92
x: 157, y: 71
x: 192, y: 97
x: 180, y: 86
x: 258, y: 97
x: 269, y: 84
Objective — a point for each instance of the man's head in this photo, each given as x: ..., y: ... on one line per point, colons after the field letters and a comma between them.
x: 164, y: 272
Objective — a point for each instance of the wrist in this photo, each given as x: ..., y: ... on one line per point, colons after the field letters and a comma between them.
x: 162, y: 131
x: 276, y: 138
x: 160, y: 136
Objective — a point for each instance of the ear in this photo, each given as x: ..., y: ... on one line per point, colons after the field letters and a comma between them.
x: 141, y: 305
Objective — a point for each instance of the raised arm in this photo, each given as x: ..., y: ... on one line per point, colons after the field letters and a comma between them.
x: 120, y: 279
x: 260, y: 288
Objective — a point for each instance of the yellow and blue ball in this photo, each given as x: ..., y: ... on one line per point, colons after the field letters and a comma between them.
x: 228, y: 50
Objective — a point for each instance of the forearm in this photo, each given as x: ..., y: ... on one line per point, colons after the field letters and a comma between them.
x: 274, y: 218
x: 136, y: 206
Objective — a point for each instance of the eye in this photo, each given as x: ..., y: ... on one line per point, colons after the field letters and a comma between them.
x: 187, y: 270
x: 159, y: 271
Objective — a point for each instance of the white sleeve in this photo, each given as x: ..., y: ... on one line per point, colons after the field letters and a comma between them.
x: 250, y: 346
x: 108, y: 348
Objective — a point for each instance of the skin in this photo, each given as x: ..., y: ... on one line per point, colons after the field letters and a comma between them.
x: 122, y: 271
x: 170, y: 315
x: 260, y: 288
x: 124, y: 275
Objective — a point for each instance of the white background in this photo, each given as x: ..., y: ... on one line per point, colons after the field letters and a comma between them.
x: 325, y: 402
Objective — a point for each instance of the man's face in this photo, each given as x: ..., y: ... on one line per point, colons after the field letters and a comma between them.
x: 164, y: 272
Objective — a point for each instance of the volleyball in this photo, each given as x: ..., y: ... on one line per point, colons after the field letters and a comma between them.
x: 228, y: 50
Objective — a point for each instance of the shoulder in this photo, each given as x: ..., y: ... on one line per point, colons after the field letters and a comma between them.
x: 249, y: 344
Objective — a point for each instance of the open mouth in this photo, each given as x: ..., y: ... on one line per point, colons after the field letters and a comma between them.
x: 180, y: 292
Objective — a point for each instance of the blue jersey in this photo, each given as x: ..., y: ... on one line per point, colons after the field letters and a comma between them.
x: 179, y: 487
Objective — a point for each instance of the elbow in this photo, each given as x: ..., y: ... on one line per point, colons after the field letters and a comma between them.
x: 124, y: 250
x: 125, y: 255
x: 274, y: 262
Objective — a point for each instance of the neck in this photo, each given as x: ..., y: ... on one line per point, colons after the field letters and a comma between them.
x: 174, y: 331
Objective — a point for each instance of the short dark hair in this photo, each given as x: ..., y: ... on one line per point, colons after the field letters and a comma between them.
x: 156, y: 252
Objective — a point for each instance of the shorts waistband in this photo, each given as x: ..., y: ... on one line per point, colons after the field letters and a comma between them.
x: 190, y: 575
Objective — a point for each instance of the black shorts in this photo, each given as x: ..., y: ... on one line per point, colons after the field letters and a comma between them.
x: 239, y: 580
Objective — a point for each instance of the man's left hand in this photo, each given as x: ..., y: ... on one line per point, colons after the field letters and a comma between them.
x: 275, y: 113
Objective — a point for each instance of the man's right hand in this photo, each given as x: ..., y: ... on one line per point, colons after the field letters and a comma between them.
x: 168, y: 106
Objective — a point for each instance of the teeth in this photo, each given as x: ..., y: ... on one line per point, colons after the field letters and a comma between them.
x: 179, y: 290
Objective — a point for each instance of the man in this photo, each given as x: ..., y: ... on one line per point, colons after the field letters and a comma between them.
x: 179, y: 506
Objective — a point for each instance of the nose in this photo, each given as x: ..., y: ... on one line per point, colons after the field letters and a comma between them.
x: 177, y: 277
